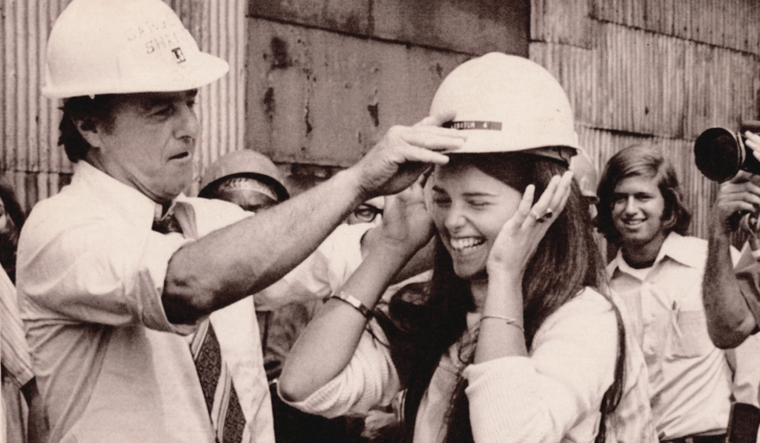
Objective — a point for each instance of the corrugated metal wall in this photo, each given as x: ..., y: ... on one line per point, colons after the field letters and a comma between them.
x: 316, y: 82
x: 29, y: 123
x: 653, y: 71
x: 31, y: 159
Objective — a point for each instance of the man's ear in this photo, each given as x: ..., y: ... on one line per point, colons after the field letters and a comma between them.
x: 90, y: 131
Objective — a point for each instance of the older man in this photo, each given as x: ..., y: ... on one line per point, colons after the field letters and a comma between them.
x: 118, y: 273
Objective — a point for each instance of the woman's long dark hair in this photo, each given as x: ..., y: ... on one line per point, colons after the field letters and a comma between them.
x: 423, y: 322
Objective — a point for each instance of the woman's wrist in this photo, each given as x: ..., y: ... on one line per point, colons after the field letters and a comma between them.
x: 387, y: 258
x: 504, y: 296
x: 367, y: 284
x: 503, y: 276
x: 393, y: 250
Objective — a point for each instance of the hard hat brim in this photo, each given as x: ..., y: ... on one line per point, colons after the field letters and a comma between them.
x: 201, y: 70
x: 280, y: 190
x: 487, y: 142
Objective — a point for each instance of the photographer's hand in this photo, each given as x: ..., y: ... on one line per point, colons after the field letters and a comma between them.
x: 752, y: 140
x: 740, y: 194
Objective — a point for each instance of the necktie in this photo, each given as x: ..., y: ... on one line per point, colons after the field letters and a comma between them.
x: 168, y: 223
x: 218, y: 389
x: 215, y: 378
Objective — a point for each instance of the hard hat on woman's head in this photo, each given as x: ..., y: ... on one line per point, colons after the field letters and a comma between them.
x: 508, y: 103
x: 124, y: 46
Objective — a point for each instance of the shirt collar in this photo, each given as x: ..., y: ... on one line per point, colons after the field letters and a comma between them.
x: 132, y: 204
x: 675, y: 247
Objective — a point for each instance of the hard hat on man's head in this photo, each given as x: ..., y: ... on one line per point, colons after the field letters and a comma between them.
x: 244, y: 163
x: 124, y: 46
x: 508, y: 103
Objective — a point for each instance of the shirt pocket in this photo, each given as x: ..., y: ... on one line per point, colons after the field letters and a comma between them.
x: 689, y: 336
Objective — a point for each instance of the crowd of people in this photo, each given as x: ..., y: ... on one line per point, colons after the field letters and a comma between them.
x: 448, y: 287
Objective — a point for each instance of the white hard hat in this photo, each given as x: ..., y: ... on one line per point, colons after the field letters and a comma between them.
x: 508, y: 103
x: 124, y: 46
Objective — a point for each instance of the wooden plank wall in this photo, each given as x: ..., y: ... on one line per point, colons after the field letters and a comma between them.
x: 653, y: 71
x: 29, y: 156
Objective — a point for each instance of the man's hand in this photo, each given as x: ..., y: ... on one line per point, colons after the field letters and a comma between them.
x: 403, y: 154
x: 740, y: 194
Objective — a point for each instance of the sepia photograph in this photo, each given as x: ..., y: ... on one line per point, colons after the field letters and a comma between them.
x: 379, y: 221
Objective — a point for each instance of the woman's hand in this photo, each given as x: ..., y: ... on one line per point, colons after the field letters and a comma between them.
x: 516, y: 243
x: 521, y: 234
x: 406, y: 225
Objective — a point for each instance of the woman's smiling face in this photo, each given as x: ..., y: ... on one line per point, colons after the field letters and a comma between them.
x: 469, y: 208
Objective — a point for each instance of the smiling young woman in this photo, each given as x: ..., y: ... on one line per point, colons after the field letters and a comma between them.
x: 513, y: 339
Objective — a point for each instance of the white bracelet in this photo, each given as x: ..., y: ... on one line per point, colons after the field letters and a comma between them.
x: 510, y: 321
x: 353, y: 302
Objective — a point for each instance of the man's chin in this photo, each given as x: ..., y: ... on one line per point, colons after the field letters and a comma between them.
x: 167, y: 195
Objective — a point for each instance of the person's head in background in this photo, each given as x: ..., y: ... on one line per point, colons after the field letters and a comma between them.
x: 640, y: 203
x: 246, y: 178
x: 587, y: 177
x: 12, y: 218
x: 371, y: 211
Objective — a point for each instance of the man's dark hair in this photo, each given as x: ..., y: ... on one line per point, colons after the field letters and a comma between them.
x: 92, y: 112
x: 641, y: 160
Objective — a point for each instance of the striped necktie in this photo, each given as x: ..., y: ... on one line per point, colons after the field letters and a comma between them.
x: 216, y: 381
x: 218, y: 389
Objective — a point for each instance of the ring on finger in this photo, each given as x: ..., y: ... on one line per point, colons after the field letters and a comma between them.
x: 538, y: 218
x: 549, y: 213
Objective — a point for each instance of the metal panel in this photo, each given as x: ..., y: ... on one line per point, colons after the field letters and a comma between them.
x: 323, y: 98
x: 472, y: 26
x: 352, y: 17
x: 728, y: 24
x: 641, y: 82
x: 656, y: 72
x: 31, y: 161
x: 561, y: 21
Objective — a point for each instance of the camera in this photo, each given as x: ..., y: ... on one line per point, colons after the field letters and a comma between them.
x: 721, y: 153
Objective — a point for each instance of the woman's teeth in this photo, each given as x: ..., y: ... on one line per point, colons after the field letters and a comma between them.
x: 460, y: 244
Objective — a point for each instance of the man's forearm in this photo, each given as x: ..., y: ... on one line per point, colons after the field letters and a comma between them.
x: 729, y: 320
x: 246, y: 257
